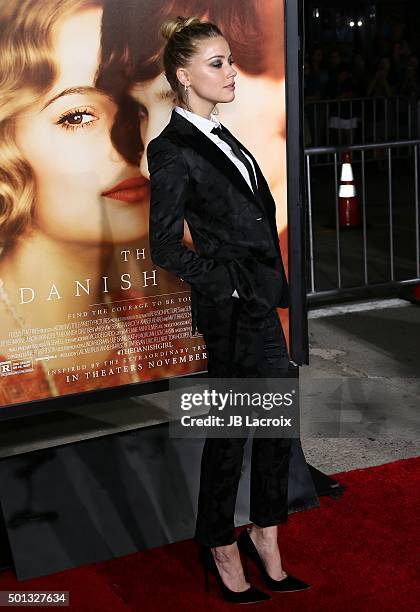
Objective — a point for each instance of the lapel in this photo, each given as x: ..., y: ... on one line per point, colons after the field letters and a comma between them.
x: 211, y: 152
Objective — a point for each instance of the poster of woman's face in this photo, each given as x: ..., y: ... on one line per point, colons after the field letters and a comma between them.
x: 82, y: 306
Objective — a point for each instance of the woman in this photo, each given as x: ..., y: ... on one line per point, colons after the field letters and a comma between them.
x: 201, y: 173
x: 74, y: 212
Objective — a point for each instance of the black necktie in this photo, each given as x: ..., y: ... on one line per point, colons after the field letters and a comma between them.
x: 237, y: 151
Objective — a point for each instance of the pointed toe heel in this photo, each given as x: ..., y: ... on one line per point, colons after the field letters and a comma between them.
x: 286, y: 585
x: 251, y: 595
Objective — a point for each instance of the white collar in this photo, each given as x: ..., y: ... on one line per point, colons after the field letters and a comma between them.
x: 203, y: 124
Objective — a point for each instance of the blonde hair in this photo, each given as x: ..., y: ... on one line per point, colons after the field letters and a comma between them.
x: 182, y: 35
x: 175, y: 24
x: 27, y: 71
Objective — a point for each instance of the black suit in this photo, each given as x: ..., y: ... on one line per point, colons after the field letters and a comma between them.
x: 236, y: 240
x: 234, y: 232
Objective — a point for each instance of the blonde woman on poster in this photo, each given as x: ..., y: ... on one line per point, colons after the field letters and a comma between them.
x: 74, y: 209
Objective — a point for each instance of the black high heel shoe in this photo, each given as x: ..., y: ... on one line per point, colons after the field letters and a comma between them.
x: 248, y: 549
x: 251, y: 595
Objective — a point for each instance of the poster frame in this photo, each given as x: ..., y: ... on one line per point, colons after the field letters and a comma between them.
x: 293, y: 22
x: 296, y: 213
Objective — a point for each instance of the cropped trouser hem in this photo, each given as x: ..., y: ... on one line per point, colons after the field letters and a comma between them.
x: 222, y: 539
x: 229, y: 537
x: 269, y: 522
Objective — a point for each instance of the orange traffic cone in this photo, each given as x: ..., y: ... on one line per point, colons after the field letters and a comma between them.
x: 411, y: 294
x: 348, y: 202
x: 415, y: 293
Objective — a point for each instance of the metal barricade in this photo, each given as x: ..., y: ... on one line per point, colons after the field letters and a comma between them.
x: 361, y: 120
x: 370, y: 250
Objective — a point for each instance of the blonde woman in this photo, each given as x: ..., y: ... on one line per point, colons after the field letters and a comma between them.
x: 201, y: 173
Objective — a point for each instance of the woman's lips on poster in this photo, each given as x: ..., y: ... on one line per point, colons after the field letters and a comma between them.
x: 230, y: 86
x: 130, y: 190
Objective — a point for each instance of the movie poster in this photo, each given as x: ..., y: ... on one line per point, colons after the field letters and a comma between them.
x: 82, y: 306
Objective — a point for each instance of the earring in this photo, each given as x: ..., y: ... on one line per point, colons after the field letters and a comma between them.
x: 215, y: 110
x: 187, y: 101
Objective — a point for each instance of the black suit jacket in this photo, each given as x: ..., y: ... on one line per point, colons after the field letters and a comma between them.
x: 233, y: 230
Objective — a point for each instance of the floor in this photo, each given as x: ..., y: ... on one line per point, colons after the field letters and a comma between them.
x: 360, y: 393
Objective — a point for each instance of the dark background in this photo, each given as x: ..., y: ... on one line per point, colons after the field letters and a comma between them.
x: 358, y: 54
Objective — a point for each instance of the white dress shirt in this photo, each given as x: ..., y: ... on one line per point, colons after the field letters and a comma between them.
x: 206, y: 126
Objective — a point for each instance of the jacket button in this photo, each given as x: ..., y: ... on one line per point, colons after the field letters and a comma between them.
x: 258, y: 219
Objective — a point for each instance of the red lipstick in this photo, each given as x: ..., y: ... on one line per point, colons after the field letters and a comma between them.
x: 130, y: 190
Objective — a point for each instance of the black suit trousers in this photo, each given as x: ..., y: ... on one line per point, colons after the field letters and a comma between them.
x: 241, y: 346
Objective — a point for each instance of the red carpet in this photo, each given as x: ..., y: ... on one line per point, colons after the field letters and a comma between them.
x: 359, y: 553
